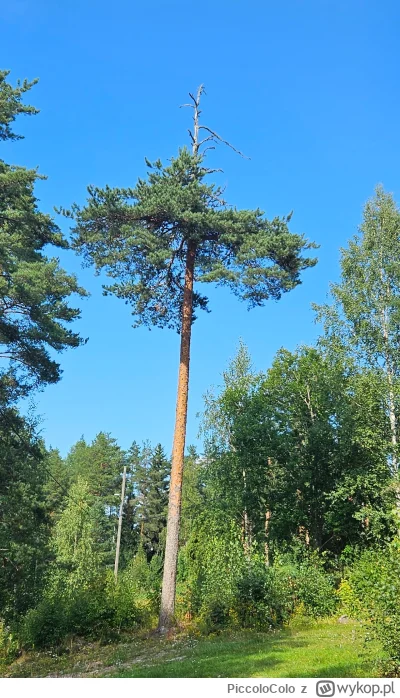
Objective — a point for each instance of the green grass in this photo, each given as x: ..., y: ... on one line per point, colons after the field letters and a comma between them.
x: 305, y: 649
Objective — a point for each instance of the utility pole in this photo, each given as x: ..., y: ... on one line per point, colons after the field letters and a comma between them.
x: 120, y: 525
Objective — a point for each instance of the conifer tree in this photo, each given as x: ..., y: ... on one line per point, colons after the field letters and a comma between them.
x: 100, y: 465
x: 160, y: 238
x: 150, y: 476
x: 58, y: 482
x: 130, y: 532
x: 158, y: 500
x: 34, y: 312
x: 24, y: 529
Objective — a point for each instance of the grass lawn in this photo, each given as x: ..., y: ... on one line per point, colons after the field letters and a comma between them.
x: 304, y: 649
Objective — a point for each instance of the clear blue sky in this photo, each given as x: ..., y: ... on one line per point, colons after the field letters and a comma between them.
x: 308, y: 88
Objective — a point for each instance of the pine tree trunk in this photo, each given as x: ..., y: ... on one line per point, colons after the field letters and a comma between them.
x: 175, y: 493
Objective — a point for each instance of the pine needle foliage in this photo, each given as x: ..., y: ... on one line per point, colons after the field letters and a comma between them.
x: 140, y: 236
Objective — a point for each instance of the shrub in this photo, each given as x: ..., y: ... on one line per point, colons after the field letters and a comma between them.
x: 136, y: 597
x: 99, y: 609
x: 9, y: 645
x: 315, y: 590
x: 263, y: 597
x: 208, y: 570
x: 84, y: 612
x: 371, y: 594
x: 221, y: 584
x: 222, y: 562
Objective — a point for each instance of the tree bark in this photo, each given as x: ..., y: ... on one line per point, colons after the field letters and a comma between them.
x: 391, y: 407
x: 246, y: 521
x: 167, y: 609
x: 389, y: 375
x: 393, y: 423
x: 121, y: 511
x: 266, y: 529
x: 393, y: 431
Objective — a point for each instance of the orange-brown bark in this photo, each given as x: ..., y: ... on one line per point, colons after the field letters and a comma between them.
x: 178, y: 451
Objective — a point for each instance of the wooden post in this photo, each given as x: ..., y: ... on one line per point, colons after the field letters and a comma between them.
x: 121, y: 508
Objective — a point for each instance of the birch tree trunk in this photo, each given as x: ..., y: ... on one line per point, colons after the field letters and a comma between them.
x: 266, y: 544
x: 391, y: 398
x: 121, y: 511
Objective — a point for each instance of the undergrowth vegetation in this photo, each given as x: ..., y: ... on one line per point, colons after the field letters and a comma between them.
x: 370, y: 593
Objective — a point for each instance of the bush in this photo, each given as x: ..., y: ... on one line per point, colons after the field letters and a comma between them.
x: 98, y: 610
x: 222, y: 562
x: 87, y: 612
x: 315, y: 590
x: 9, y: 645
x: 222, y: 585
x: 208, y: 570
x: 136, y: 597
x: 371, y: 594
x: 263, y: 597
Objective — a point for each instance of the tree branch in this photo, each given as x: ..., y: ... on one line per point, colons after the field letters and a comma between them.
x: 222, y: 140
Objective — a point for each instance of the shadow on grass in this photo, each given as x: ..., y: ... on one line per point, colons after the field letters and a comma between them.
x: 339, y: 671
x: 222, y: 658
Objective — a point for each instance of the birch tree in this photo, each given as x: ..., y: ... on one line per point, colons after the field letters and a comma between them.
x: 364, y: 318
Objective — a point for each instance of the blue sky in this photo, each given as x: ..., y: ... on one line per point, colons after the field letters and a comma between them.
x: 307, y: 88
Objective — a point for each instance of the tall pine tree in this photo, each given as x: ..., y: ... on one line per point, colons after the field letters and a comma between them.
x: 156, y: 241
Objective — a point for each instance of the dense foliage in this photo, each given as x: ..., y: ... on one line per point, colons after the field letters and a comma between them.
x: 139, y: 236
x: 370, y: 593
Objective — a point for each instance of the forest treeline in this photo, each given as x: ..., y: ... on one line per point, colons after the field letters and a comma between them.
x: 293, y: 505
x: 292, y: 494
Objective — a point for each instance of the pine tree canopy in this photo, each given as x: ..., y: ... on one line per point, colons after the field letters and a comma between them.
x: 11, y: 105
x: 34, y: 289
x: 141, y: 237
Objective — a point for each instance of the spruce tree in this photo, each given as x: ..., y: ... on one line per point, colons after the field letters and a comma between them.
x: 58, y: 482
x: 151, y: 482
x: 160, y: 238
x: 130, y: 532
x: 24, y: 529
x: 100, y: 465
